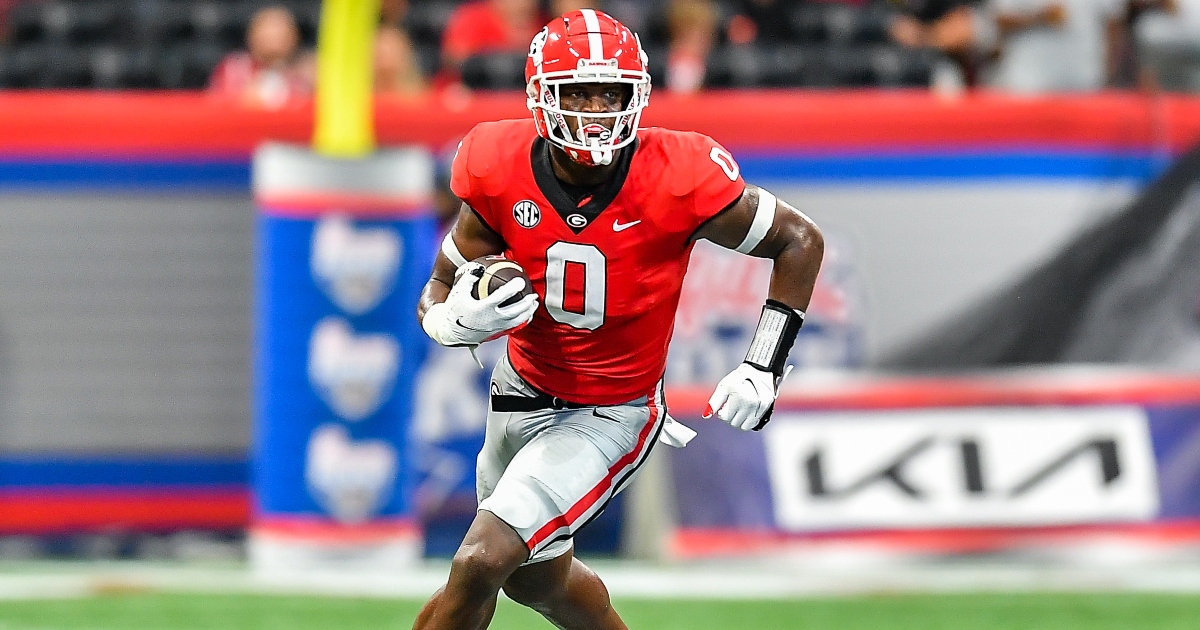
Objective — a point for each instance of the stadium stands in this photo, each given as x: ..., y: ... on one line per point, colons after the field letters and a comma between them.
x: 175, y: 44
x: 128, y: 44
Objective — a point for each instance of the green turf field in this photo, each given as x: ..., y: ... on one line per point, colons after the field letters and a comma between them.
x: 922, y: 612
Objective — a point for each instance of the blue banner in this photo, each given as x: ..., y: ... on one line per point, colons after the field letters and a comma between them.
x: 337, y: 349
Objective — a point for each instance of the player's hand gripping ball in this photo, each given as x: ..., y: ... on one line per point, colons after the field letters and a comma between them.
x: 494, y: 272
x: 491, y: 297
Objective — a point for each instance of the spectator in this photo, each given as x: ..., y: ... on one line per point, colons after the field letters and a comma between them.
x: 559, y: 7
x: 5, y: 7
x: 392, y: 12
x: 272, y: 70
x: 1148, y: 43
x: 487, y: 26
x: 1049, y: 45
x: 396, y: 69
x: 944, y: 25
x: 762, y: 21
x: 692, y: 25
x: 631, y: 13
x: 915, y: 20
x: 1170, y: 46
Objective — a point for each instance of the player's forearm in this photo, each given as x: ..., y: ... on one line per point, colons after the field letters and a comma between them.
x: 435, y: 292
x: 797, y: 264
x: 438, y: 287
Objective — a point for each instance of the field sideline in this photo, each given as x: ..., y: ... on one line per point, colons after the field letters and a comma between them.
x: 882, y: 612
x: 973, y: 595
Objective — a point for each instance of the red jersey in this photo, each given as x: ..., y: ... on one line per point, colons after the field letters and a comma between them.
x: 609, y: 268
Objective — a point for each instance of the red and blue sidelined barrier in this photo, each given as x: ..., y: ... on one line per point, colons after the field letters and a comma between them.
x: 51, y: 494
x: 189, y: 143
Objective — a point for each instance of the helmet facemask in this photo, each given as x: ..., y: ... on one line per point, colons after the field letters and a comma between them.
x: 594, y: 144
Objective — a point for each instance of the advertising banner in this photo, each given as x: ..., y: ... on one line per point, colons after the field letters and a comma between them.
x: 961, y: 467
x: 343, y: 250
x: 966, y: 464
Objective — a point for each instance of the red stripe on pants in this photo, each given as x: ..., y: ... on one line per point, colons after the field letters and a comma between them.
x: 593, y: 495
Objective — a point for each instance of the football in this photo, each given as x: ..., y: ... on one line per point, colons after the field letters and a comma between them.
x: 498, y: 270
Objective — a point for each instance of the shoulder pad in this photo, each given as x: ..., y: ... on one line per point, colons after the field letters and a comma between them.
x: 494, y: 152
x: 680, y: 151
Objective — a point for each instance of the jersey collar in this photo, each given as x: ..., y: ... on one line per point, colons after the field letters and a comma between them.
x: 577, y: 218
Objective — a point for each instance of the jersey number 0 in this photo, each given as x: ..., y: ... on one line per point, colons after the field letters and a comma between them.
x: 594, y: 279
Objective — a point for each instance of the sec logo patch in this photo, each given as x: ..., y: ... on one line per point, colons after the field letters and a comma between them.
x: 526, y: 213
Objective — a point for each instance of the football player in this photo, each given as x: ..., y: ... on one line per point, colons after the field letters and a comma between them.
x: 602, y: 216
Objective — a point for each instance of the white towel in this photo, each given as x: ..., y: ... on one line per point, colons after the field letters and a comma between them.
x: 675, y: 433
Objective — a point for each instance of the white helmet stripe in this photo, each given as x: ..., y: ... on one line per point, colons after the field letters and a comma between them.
x: 593, y: 30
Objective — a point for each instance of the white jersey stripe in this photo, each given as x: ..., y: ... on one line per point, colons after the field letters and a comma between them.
x: 593, y: 29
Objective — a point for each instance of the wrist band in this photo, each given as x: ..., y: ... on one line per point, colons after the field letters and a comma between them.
x: 777, y: 329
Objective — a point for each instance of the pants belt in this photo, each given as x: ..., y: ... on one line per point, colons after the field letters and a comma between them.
x: 506, y: 403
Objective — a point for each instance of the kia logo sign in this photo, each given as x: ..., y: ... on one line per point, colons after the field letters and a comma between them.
x: 961, y: 467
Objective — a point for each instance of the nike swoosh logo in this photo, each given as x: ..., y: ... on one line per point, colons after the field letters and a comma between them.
x: 618, y: 226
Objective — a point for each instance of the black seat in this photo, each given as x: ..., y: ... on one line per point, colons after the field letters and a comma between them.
x: 65, y: 22
x: 658, y: 64
x: 114, y: 67
x: 25, y: 24
x: 737, y: 67
x: 108, y: 67
x: 425, y: 21
x: 220, y: 23
x: 428, y: 58
x: 22, y: 65
x: 841, y: 23
x: 187, y: 66
x: 46, y: 65
x: 142, y: 68
x: 5, y: 61
x: 872, y: 26
x: 788, y: 64
x: 894, y: 66
x: 807, y: 23
x: 849, y: 66
x: 496, y: 71
x: 97, y: 21
x: 152, y: 22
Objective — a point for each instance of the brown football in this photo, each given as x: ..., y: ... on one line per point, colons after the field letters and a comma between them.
x: 498, y: 270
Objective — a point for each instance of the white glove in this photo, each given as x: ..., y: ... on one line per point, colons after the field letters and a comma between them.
x: 743, y: 397
x: 465, y: 321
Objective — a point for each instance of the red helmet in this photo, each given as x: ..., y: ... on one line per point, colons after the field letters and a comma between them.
x: 586, y: 46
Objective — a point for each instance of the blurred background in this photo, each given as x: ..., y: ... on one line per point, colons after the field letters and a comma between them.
x: 209, y: 355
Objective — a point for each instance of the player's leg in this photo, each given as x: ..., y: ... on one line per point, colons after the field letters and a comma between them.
x: 566, y: 592
x: 424, y: 618
x: 489, y: 554
x: 491, y: 550
x: 568, y: 471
